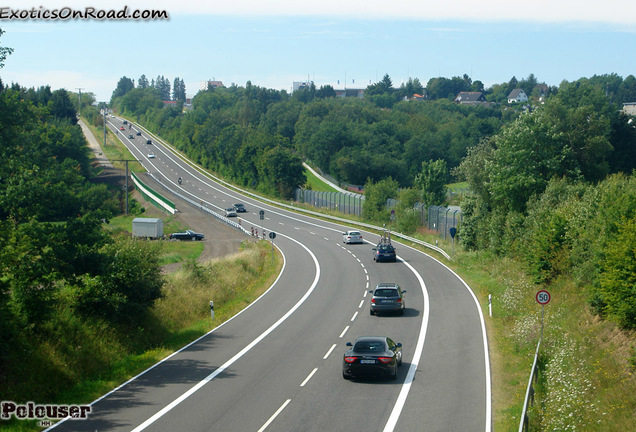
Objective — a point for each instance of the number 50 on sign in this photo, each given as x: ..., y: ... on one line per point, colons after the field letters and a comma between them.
x: 543, y: 297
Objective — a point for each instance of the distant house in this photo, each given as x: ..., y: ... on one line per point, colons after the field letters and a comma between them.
x: 350, y: 92
x: 470, y: 98
x: 204, y: 85
x: 417, y: 96
x: 300, y: 85
x: 517, y: 95
x: 629, y: 108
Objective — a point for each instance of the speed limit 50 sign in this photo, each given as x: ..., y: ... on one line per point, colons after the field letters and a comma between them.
x: 543, y: 297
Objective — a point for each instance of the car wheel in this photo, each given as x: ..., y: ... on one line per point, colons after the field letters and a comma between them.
x: 400, y: 360
x: 395, y: 374
x: 345, y: 376
x: 371, y: 312
x: 402, y: 312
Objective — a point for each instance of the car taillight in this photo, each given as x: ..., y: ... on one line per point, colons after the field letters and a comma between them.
x: 372, y: 300
x: 399, y: 300
x: 350, y: 359
x: 385, y: 359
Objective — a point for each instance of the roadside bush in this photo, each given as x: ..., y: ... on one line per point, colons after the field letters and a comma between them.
x: 617, y: 287
x: 129, y: 280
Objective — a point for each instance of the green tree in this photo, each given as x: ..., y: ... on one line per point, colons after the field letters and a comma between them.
x: 432, y: 181
x: 128, y: 281
x: 178, y: 90
x: 124, y: 85
x: 142, y: 82
x: 408, y: 218
x: 617, y: 286
x: 375, y: 199
x: 552, y: 141
x: 4, y: 51
x: 326, y: 91
x: 61, y: 106
x: 282, y: 171
x: 385, y: 85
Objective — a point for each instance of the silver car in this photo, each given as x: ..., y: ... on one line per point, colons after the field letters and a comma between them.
x: 387, y: 297
x: 352, y: 237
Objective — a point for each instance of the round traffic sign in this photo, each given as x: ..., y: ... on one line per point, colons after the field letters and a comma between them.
x: 272, y: 235
x: 543, y: 297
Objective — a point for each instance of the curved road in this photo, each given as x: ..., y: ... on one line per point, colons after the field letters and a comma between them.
x: 277, y: 366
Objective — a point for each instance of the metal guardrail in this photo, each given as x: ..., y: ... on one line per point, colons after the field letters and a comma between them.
x: 529, y: 399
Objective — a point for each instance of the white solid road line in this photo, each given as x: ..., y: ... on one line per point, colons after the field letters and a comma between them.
x: 406, y: 387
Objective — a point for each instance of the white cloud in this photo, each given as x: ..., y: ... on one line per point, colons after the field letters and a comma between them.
x: 621, y: 12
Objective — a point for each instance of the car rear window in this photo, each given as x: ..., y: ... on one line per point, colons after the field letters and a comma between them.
x: 354, y: 233
x: 369, y: 346
x: 384, y: 292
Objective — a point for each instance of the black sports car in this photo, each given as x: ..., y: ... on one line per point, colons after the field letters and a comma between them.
x: 187, y: 235
x: 372, y: 356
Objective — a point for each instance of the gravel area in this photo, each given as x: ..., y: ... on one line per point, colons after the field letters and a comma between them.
x: 220, y: 239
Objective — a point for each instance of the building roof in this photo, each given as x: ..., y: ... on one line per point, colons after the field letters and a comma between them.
x: 515, y: 93
x: 470, y: 97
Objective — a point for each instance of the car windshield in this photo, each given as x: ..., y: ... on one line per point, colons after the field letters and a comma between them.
x: 383, y: 292
x: 369, y: 346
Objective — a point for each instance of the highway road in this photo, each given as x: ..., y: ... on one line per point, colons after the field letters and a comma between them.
x: 277, y: 366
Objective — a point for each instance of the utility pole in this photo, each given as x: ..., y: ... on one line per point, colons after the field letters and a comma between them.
x: 104, y: 122
x: 126, y: 160
x: 79, y: 111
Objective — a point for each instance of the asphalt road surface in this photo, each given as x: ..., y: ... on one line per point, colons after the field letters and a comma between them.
x: 277, y: 366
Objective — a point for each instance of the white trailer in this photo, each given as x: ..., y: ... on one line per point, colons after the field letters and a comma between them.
x: 147, y: 227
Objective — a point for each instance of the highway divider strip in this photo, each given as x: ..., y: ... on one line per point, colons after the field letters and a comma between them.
x: 162, y: 202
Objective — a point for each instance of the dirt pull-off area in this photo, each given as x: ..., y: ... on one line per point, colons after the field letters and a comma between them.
x: 220, y: 239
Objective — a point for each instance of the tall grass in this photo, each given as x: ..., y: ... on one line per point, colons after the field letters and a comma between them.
x: 586, y: 381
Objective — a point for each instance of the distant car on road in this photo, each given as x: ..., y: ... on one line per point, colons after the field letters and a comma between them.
x: 138, y: 133
x: 387, y: 297
x: 149, y: 142
x: 384, y: 252
x: 187, y: 235
x: 121, y: 128
x: 372, y: 356
x: 352, y: 237
x: 230, y: 212
x: 125, y: 121
x: 131, y: 137
x: 151, y: 155
x: 240, y: 208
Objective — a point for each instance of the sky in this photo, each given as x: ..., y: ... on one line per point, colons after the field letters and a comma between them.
x: 350, y: 43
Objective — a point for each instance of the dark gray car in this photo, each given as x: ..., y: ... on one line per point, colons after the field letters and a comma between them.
x: 387, y: 297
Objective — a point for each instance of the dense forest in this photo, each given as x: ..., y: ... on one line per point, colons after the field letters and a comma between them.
x: 59, y: 266
x: 259, y: 137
